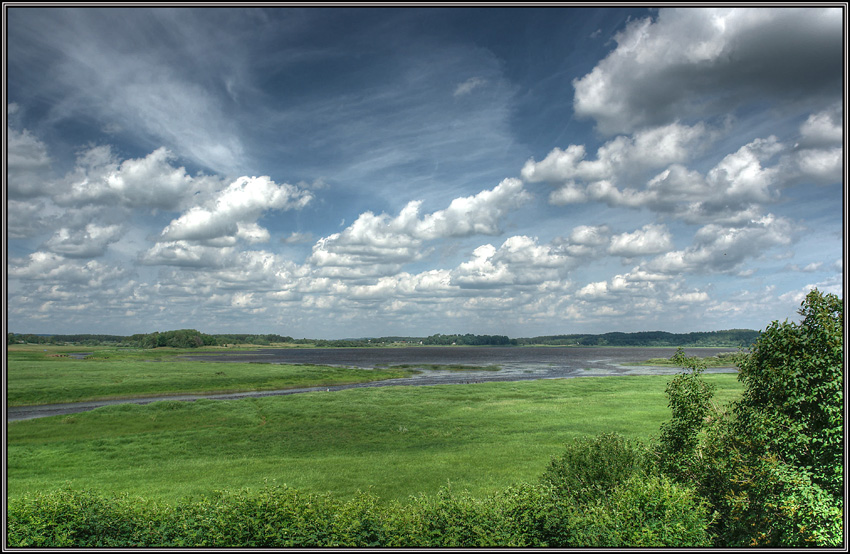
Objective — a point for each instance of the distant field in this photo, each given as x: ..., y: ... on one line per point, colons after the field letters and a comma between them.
x: 392, y: 441
x: 46, y: 375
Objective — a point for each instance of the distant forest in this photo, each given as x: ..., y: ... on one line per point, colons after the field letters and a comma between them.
x: 190, y: 338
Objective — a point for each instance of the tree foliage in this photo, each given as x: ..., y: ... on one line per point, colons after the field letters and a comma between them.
x: 771, y: 466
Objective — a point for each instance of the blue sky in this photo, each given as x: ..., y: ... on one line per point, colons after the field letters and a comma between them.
x: 328, y: 172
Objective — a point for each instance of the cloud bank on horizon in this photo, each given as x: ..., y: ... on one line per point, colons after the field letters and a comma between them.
x: 335, y: 172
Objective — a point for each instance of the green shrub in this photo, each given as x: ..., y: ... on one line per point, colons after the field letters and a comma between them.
x: 590, y: 468
x: 83, y: 519
x: 448, y: 519
x: 606, y: 492
x: 271, y: 517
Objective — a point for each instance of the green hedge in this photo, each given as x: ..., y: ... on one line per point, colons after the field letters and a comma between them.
x: 651, y: 512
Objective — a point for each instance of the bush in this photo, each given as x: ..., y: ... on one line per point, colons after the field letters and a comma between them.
x: 646, y: 511
x: 83, y: 519
x: 606, y: 492
x: 590, y: 468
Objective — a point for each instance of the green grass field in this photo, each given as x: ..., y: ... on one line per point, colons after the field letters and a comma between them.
x: 392, y: 441
x: 44, y: 375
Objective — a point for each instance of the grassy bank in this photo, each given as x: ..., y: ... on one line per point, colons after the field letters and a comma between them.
x: 391, y: 441
x: 47, y: 375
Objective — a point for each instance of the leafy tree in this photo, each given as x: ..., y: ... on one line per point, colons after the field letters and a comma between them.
x: 771, y: 466
x: 793, y: 402
x: 690, y: 402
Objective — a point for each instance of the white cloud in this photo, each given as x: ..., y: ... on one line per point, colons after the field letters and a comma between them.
x: 99, y: 178
x: 298, y: 238
x: 234, y: 211
x: 89, y: 242
x: 28, y: 218
x: 621, y: 158
x: 480, y: 271
x: 719, y: 249
x: 651, y: 239
x: 707, y: 61
x: 731, y: 192
x: 595, y: 290
x: 520, y: 261
x: 186, y: 254
x: 481, y: 214
x: 151, y: 181
x: 822, y: 129
x: 379, y: 239
x: 808, y: 268
x: 817, y: 158
x: 53, y: 268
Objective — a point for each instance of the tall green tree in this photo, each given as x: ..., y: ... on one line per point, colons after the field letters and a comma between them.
x: 793, y: 402
x: 772, y: 466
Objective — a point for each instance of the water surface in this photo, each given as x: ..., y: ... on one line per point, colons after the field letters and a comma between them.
x: 515, y: 364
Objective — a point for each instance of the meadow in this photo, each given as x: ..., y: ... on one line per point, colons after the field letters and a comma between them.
x: 46, y: 375
x: 393, y: 441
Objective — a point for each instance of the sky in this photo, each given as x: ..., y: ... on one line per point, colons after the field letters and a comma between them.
x: 366, y: 172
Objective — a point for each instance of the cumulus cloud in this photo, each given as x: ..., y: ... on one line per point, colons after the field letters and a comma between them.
x: 595, y: 290
x: 234, y: 211
x: 708, y: 61
x: 27, y: 218
x: 373, y: 240
x: 89, y: 242
x: 584, y: 241
x: 817, y: 158
x: 651, y: 239
x: 520, y: 261
x: 731, y: 192
x: 100, y: 178
x: 720, y: 249
x: 250, y: 271
x: 808, y: 268
x: 822, y: 129
x: 621, y: 158
x: 186, y: 254
x: 51, y: 267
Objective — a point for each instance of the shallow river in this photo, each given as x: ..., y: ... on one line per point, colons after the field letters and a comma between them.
x: 515, y: 363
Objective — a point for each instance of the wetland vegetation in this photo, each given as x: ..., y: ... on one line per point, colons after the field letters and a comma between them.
x: 723, y: 460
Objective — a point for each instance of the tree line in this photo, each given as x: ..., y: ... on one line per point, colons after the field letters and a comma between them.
x: 728, y: 338
x: 190, y: 338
